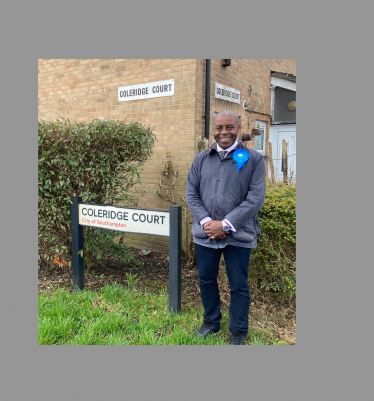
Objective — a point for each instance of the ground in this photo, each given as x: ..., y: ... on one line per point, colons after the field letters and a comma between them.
x: 267, y: 312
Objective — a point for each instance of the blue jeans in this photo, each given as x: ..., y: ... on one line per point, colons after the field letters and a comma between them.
x: 236, y: 260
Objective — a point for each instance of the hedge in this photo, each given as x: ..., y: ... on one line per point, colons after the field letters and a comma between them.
x: 99, y: 161
x: 273, y: 263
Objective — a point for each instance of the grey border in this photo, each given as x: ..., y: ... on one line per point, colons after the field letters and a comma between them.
x: 329, y: 361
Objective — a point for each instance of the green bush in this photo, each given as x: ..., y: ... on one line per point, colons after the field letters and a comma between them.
x: 99, y: 161
x: 273, y: 263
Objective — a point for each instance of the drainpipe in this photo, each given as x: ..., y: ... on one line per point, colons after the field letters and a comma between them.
x: 207, y: 98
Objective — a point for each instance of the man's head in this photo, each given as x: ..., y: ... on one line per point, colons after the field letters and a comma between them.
x: 225, y: 128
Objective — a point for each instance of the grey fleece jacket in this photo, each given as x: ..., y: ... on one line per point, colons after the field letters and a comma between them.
x: 217, y: 189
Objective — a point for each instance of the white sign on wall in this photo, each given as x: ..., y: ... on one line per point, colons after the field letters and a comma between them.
x: 140, y: 221
x: 226, y: 93
x: 146, y: 91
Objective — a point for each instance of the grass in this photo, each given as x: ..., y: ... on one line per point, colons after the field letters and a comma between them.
x: 117, y: 315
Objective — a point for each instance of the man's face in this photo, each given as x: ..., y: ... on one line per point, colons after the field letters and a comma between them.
x: 225, y: 130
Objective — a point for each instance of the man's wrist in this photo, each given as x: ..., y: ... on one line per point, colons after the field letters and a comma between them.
x: 225, y: 226
x: 232, y: 228
x: 204, y: 220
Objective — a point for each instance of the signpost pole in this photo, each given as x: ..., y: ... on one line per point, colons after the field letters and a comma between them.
x: 77, y: 245
x: 175, y: 258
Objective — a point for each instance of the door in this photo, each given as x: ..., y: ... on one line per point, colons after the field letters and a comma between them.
x: 288, y: 133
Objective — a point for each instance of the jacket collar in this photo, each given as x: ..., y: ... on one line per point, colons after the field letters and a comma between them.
x: 240, y: 145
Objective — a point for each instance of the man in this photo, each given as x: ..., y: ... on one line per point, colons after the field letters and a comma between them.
x: 225, y: 190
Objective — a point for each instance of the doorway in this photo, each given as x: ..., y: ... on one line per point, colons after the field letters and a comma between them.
x: 277, y: 134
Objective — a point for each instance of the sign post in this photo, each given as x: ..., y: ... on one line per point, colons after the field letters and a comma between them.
x: 175, y: 242
x: 142, y: 221
x: 77, y: 245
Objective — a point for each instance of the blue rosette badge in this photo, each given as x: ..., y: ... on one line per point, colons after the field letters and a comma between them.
x: 240, y: 156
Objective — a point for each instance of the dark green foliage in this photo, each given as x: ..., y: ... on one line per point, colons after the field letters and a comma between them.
x: 273, y: 263
x: 97, y: 160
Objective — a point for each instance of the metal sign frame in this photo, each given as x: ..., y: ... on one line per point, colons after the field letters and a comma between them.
x: 175, y: 249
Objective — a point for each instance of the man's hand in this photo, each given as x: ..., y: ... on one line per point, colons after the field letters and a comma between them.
x: 214, y: 229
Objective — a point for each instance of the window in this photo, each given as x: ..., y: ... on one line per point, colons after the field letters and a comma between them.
x: 260, y: 139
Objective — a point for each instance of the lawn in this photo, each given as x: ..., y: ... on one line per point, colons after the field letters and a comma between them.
x: 118, y: 315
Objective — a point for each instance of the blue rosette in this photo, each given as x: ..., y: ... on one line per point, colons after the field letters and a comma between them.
x: 240, y: 156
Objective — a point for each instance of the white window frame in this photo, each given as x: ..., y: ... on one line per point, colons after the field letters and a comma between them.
x: 262, y: 126
x: 282, y: 83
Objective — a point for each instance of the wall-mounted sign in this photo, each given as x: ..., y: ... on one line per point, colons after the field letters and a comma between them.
x: 146, y: 91
x: 141, y: 221
x: 226, y: 93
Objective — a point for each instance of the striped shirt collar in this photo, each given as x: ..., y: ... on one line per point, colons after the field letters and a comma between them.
x: 228, y: 150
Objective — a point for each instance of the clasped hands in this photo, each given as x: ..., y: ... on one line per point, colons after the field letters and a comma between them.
x: 214, y: 229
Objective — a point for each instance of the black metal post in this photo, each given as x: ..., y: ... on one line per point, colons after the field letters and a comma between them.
x: 175, y: 258
x: 77, y: 245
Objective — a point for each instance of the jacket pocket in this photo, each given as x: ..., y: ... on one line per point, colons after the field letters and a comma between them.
x: 246, y: 233
x: 197, y: 231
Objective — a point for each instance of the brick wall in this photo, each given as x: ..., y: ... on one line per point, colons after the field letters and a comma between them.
x: 86, y: 89
x: 241, y: 74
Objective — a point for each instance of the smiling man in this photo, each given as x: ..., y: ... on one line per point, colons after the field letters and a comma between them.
x: 225, y: 190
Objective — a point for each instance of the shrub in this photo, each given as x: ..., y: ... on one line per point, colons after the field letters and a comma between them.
x: 99, y: 161
x: 273, y: 263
